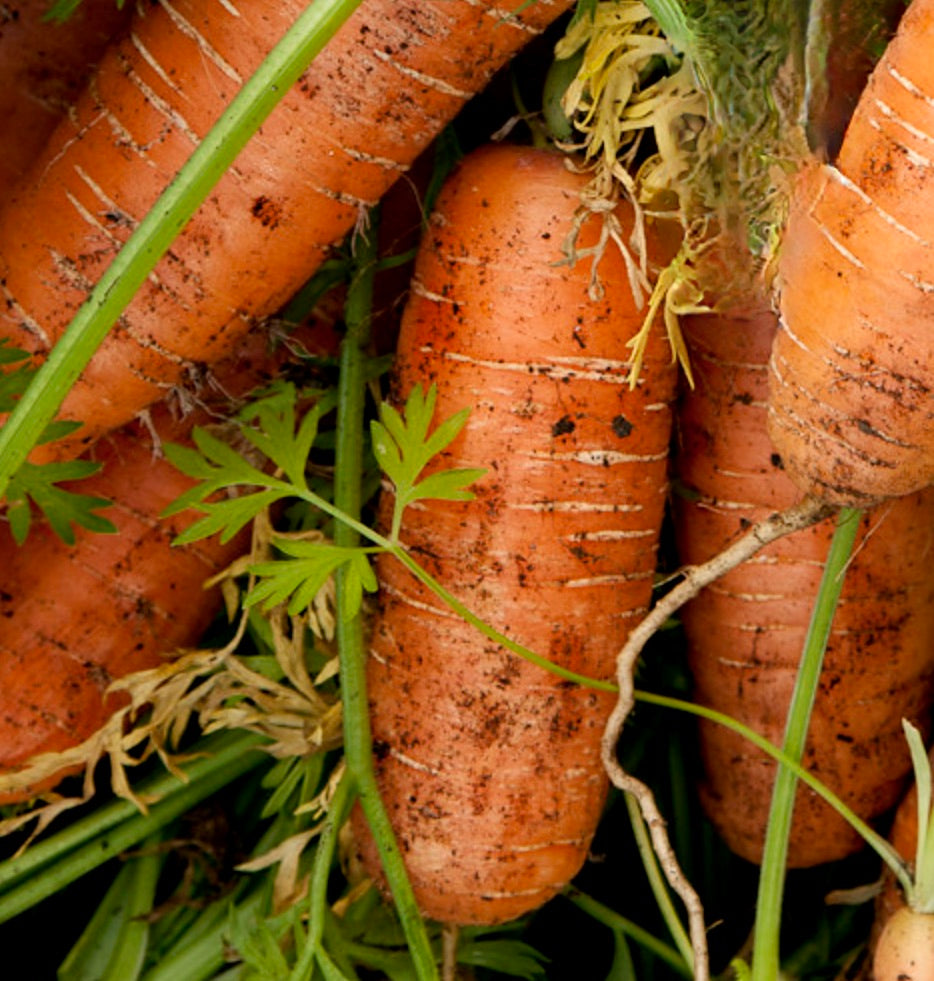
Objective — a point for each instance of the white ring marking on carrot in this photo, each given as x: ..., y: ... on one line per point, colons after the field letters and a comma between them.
x: 99, y: 193
x: 147, y: 56
x: 609, y: 535
x: 598, y: 458
x: 844, y: 181
x: 613, y: 372
x: 190, y: 31
x: 438, y: 84
x: 914, y: 158
x: 909, y: 86
x: 22, y: 318
x: 572, y: 506
x: 230, y: 8
x: 174, y: 117
x: 413, y: 764
x: 886, y: 110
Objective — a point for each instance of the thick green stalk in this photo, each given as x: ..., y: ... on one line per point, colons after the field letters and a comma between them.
x: 50, y: 866
x: 766, y: 954
x: 358, y: 741
x: 156, y: 232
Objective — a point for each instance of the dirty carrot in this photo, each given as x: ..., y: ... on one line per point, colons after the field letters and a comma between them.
x: 74, y: 619
x: 746, y: 632
x: 390, y: 79
x: 489, y: 765
x: 852, y: 371
x: 43, y: 69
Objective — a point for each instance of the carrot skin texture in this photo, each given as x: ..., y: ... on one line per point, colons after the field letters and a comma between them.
x: 489, y: 765
x: 73, y: 619
x: 43, y: 69
x: 851, y: 407
x: 905, y: 951
x: 377, y: 95
x: 746, y: 633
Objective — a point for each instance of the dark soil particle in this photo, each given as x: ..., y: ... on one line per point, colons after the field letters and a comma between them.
x: 563, y: 426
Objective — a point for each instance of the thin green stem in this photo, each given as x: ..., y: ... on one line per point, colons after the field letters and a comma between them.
x: 358, y: 740
x: 656, y: 880
x: 619, y: 924
x: 338, y: 810
x: 116, y: 827
x: 156, y: 232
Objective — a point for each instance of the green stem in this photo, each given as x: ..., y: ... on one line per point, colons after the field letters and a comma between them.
x: 338, y: 810
x: 656, y: 881
x: 766, y: 953
x: 358, y: 741
x: 619, y: 924
x: 201, y: 957
x: 118, y: 826
x: 156, y: 232
x: 130, y: 951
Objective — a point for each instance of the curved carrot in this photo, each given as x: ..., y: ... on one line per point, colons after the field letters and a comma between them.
x: 388, y: 82
x: 489, y: 765
x: 73, y: 619
x: 43, y: 69
x: 851, y: 409
x: 746, y: 632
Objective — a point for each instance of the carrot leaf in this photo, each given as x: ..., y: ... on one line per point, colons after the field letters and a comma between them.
x: 299, y: 578
x: 227, y: 517
x: 276, y: 434
x: 37, y: 485
x: 403, y: 447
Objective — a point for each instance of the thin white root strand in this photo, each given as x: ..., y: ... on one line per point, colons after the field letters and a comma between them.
x: 450, y: 934
x: 808, y: 512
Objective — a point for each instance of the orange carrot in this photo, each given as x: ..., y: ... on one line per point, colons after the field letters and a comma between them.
x: 43, y: 69
x: 851, y: 409
x: 73, y: 619
x: 490, y: 765
x: 379, y: 93
x: 746, y: 632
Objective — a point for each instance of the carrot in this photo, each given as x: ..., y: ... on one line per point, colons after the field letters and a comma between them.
x: 906, y: 948
x: 390, y: 79
x: 746, y: 632
x: 73, y: 619
x: 43, y: 68
x: 903, y: 836
x: 488, y: 764
x: 852, y: 369
x: 901, y: 943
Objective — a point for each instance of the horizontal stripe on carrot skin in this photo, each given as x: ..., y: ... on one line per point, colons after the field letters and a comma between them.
x: 377, y: 95
x: 490, y: 765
